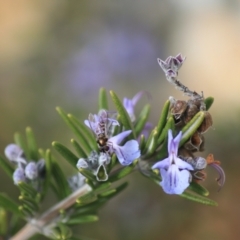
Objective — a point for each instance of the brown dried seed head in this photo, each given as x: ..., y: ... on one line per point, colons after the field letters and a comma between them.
x: 206, y: 124
x: 199, y: 176
x: 191, y: 111
x: 195, y: 142
x: 178, y: 108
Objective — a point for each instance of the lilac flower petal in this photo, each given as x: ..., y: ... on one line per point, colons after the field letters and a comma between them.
x: 129, y: 106
x: 87, y: 123
x: 138, y: 96
x: 128, y: 153
x: 19, y: 176
x: 31, y: 170
x: 174, y: 181
x: 165, y: 163
x: 118, y: 138
x: 182, y: 164
x: 170, y: 141
x: 176, y: 141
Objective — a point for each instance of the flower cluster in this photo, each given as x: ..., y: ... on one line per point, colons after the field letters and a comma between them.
x: 177, y: 171
x: 25, y: 171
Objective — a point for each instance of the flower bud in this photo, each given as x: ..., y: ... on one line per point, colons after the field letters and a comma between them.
x: 31, y: 170
x: 19, y: 176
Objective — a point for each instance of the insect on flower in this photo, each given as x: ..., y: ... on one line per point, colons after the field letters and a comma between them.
x: 102, y: 127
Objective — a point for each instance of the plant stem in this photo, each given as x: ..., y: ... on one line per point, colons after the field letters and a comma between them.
x: 37, y: 225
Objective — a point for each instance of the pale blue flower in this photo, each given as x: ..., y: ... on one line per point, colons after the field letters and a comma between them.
x: 174, y: 171
x: 31, y: 170
x: 127, y: 153
x: 19, y: 176
x: 15, y: 154
x: 97, y: 164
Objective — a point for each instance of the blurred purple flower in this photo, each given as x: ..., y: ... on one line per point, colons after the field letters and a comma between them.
x: 130, y: 104
x: 174, y: 171
x: 108, y: 55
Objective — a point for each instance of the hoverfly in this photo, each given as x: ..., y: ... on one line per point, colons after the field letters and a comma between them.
x: 101, y: 125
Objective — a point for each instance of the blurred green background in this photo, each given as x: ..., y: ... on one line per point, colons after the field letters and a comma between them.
x: 58, y: 53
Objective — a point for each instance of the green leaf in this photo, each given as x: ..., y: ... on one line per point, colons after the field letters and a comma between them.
x: 64, y: 231
x: 48, y: 173
x: 60, y: 180
x: 142, y: 119
x: 27, y: 189
x: 89, y: 138
x: 61, y: 232
x: 151, y: 144
x: 32, y: 146
x: 142, y: 142
x: 88, y: 208
x: 6, y: 166
x: 103, y: 101
x: 199, y: 199
x: 124, y: 117
x: 87, y: 173
x: 112, y: 163
x: 26, y: 211
x: 82, y: 219
x: 42, y: 153
x: 191, y: 127
x: 81, y: 137
x: 163, y: 117
x: 19, y: 140
x: 199, y: 189
x: 55, y: 190
x: 123, y: 172
x: 87, y: 198
x: 3, y: 221
x: 29, y: 202
x: 209, y: 101
x: 169, y: 125
x: 8, y: 204
x: 66, y: 153
x: 113, y: 192
x: 78, y: 149
x: 101, y: 187
x: 107, y: 193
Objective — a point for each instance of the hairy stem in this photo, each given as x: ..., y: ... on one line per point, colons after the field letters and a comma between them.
x: 37, y: 225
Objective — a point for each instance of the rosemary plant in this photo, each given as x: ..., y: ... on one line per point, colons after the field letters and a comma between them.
x: 108, y: 146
